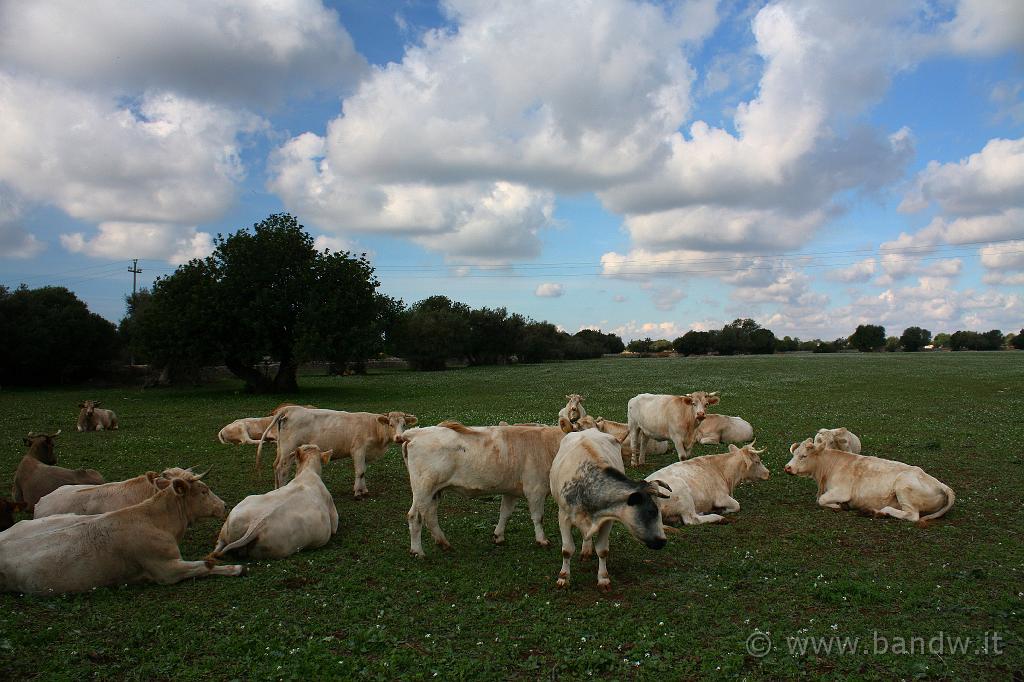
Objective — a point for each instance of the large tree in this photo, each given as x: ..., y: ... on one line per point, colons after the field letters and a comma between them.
x: 868, y: 337
x: 915, y: 338
x: 264, y: 295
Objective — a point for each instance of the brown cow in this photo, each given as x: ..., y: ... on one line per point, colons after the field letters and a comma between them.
x: 92, y: 417
x: 70, y: 553
x: 36, y: 476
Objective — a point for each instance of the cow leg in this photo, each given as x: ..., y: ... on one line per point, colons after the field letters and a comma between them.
x: 604, y: 582
x: 568, y: 547
x: 508, y: 503
x: 833, y: 499
x: 359, y: 472
x: 908, y: 511
x: 536, y: 505
x: 415, y: 530
x: 710, y: 440
x: 165, y: 568
x: 430, y: 517
x: 727, y: 504
x: 587, y: 551
x: 634, y: 445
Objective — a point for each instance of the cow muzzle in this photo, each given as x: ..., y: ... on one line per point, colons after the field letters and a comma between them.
x: 656, y: 543
x: 788, y: 469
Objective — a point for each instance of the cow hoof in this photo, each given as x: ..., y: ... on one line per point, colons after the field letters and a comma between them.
x: 445, y: 546
x: 498, y: 540
x: 418, y: 555
x: 605, y: 586
x: 562, y: 582
x: 242, y: 571
x: 544, y: 543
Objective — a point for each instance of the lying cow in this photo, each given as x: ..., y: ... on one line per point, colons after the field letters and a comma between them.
x: 92, y: 417
x: 363, y: 436
x: 571, y: 413
x: 666, y: 417
x: 37, y: 476
x: 721, y: 428
x: 284, y: 521
x: 702, y: 484
x: 71, y: 553
x: 621, y: 433
x: 512, y: 461
x: 98, y: 499
x: 7, y: 510
x: 882, y: 487
x: 838, y: 439
x: 246, y: 431
x: 592, y: 492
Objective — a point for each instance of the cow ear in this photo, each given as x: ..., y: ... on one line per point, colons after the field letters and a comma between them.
x: 410, y: 420
x: 634, y: 499
x: 623, y: 438
x: 383, y: 419
x: 180, y: 486
x: 713, y: 400
x: 733, y: 448
x: 325, y: 457
x: 161, y: 483
x: 151, y: 475
x: 688, y: 400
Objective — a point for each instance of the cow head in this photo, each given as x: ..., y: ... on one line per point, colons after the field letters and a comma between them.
x: 805, y: 458
x: 641, y: 514
x: 585, y: 422
x: 310, y: 457
x: 699, y: 401
x: 753, y: 468
x: 573, y: 406
x: 40, y: 446
x: 833, y: 439
x: 7, y: 510
x: 199, y: 500
x: 397, y: 422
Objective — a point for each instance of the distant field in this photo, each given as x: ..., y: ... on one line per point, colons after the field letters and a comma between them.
x: 362, y: 605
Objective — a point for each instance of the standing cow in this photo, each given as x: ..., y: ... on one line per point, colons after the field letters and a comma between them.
x: 703, y: 484
x: 666, y: 417
x: 572, y: 413
x: 882, y: 487
x: 363, y: 436
x: 92, y: 417
x: 512, y: 461
x: 72, y: 553
x: 286, y: 520
x: 592, y: 492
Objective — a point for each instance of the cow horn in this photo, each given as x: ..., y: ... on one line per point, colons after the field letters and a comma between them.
x: 56, y: 434
x: 204, y: 473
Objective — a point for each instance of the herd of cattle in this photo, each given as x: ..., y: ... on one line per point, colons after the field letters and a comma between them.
x: 87, y: 533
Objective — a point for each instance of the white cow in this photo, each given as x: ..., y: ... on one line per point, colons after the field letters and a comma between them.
x: 621, y: 432
x: 286, y: 520
x: 721, y: 428
x: 702, y: 484
x: 105, y: 497
x: 72, y: 553
x: 666, y: 417
x: 363, y: 436
x: 838, y: 439
x: 573, y: 412
x: 246, y: 431
x: 592, y: 492
x: 511, y: 461
x: 882, y: 487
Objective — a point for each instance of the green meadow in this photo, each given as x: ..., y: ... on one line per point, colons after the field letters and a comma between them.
x: 783, y: 570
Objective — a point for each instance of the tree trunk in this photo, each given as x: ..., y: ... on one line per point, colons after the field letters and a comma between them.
x: 254, y: 380
x: 285, y: 380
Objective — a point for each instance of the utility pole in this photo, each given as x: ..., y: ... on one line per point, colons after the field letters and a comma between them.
x: 135, y: 270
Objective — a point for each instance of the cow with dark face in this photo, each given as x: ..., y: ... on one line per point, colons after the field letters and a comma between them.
x: 92, y: 417
x: 36, y: 476
x: 592, y: 492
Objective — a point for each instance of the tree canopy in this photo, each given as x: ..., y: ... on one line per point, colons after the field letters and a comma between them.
x: 868, y: 337
x: 914, y: 339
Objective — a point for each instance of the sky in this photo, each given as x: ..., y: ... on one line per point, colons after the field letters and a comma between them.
x: 644, y: 168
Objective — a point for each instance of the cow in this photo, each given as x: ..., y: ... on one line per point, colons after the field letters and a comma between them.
x: 880, y: 487
x: 363, y: 436
x: 7, y: 510
x: 721, y: 428
x: 246, y: 431
x: 702, y: 484
x: 72, y: 553
x: 97, y: 499
x: 592, y: 492
x: 571, y: 413
x: 512, y: 461
x: 92, y: 417
x: 666, y: 417
x: 37, y: 476
x: 284, y: 521
x: 838, y: 439
x: 621, y: 432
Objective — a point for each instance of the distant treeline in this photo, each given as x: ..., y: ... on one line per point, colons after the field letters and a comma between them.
x: 266, y: 301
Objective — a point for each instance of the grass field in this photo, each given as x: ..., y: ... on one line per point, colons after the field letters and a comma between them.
x: 363, y: 606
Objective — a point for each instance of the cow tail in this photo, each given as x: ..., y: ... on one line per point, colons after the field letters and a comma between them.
x: 950, y: 499
x: 248, y: 537
x: 278, y: 418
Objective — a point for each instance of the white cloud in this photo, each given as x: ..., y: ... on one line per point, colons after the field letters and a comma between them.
x: 861, y: 271
x: 334, y: 244
x: 655, y: 330
x: 987, y: 26
x: 221, y: 50
x: 115, y: 240
x: 666, y: 298
x: 1005, y: 256
x: 15, y: 241
x: 549, y: 290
